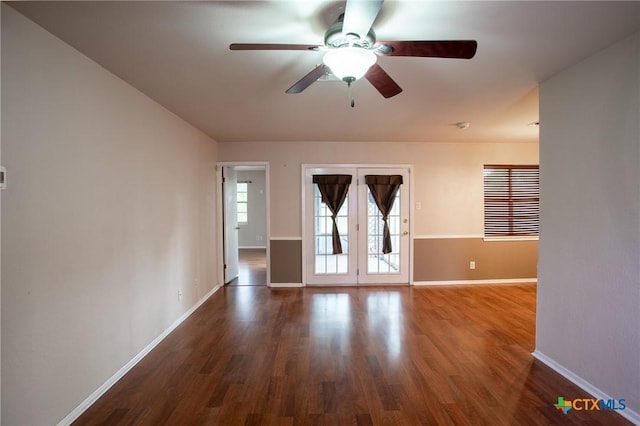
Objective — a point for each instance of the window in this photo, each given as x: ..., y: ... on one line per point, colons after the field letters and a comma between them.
x: 242, y: 191
x: 511, y: 201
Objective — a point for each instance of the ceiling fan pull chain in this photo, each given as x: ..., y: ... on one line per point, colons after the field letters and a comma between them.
x: 352, y: 101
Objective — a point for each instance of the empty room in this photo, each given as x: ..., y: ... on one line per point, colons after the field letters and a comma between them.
x: 356, y: 212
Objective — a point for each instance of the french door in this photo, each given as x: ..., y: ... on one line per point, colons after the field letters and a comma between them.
x: 369, y: 254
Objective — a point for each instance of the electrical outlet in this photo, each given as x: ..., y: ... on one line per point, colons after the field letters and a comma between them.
x: 472, y: 264
x: 3, y: 177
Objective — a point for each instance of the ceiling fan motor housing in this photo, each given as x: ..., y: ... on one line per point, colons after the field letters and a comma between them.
x: 335, y: 38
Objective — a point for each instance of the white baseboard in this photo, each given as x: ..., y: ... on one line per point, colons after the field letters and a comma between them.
x: 628, y: 414
x: 429, y: 283
x: 253, y: 247
x: 478, y: 282
x: 73, y: 415
x: 286, y: 285
x: 447, y: 236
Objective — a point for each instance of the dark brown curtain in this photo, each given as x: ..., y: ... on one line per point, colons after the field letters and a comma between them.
x: 334, y: 189
x: 384, y: 189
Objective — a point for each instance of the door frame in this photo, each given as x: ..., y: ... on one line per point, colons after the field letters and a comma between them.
x: 351, y: 166
x: 220, y: 214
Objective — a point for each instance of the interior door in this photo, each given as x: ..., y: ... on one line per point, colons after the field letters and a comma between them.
x: 230, y: 223
x: 360, y: 227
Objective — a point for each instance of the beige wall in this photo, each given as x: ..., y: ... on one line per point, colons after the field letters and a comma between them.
x: 448, y: 259
x: 589, y: 282
x: 448, y: 184
x: 448, y: 177
x: 108, y: 214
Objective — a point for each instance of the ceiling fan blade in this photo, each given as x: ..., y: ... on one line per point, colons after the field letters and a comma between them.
x: 258, y: 46
x: 308, y: 79
x: 359, y: 16
x: 461, y: 49
x: 382, y: 82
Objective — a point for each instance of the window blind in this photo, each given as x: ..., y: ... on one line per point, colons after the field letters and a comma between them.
x: 511, y: 200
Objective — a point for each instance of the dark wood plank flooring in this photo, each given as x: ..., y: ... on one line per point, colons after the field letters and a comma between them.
x: 349, y: 356
x: 252, y: 267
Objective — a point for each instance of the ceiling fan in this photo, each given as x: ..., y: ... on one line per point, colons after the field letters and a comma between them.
x: 352, y: 50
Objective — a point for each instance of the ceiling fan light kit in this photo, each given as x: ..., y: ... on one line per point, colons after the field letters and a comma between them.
x: 352, y: 50
x: 349, y: 63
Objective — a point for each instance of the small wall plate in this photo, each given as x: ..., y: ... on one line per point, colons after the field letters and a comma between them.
x: 3, y: 177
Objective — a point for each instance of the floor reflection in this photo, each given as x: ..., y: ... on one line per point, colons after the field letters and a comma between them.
x: 330, y: 321
x: 384, y: 320
x: 245, y: 302
x: 333, y: 315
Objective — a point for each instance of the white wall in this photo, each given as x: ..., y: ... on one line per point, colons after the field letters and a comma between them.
x: 588, y: 320
x: 109, y: 212
x: 448, y: 176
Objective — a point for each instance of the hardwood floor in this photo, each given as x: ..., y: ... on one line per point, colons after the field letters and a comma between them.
x: 349, y: 356
x: 252, y: 267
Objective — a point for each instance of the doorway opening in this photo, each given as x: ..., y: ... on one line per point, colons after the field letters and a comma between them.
x: 244, y: 224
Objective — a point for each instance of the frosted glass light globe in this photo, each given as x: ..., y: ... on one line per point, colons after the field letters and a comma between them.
x: 349, y: 63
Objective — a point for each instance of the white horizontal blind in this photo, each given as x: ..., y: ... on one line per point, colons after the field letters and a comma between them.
x: 511, y: 200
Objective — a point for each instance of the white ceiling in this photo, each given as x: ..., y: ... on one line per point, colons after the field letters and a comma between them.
x: 178, y: 54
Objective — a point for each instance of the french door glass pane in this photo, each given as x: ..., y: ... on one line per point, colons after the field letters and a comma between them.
x: 325, y: 261
x: 377, y: 262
